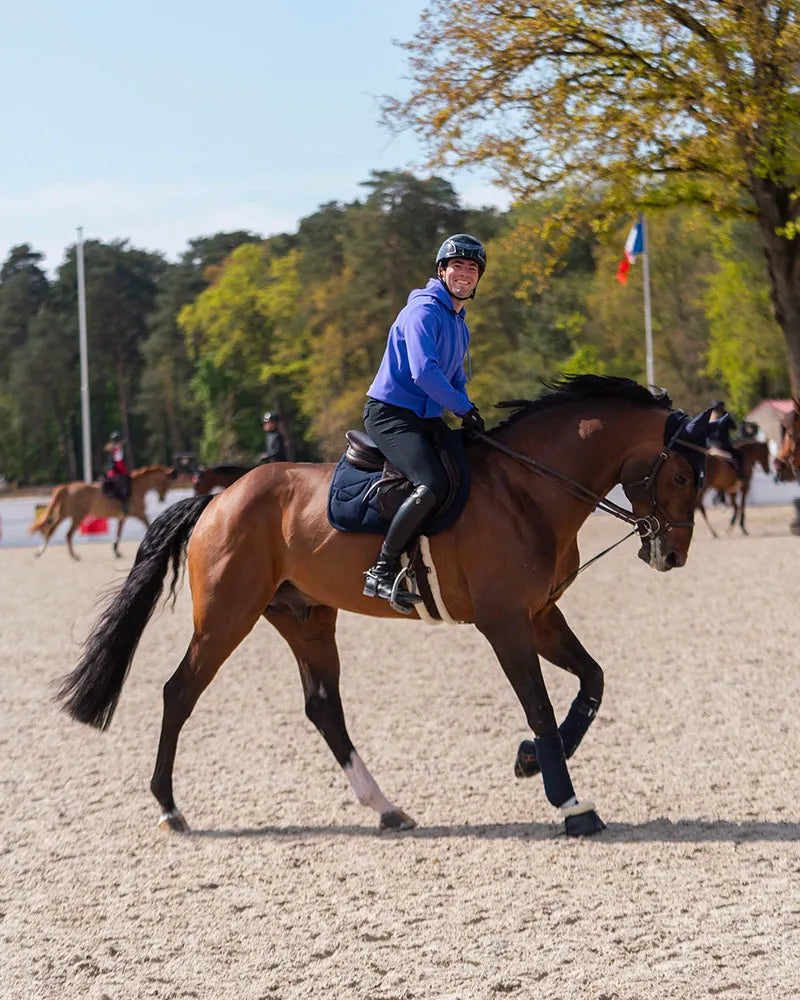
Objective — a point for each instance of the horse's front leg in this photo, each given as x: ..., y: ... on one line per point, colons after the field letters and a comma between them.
x: 559, y: 645
x: 120, y: 522
x: 513, y: 638
x: 312, y: 639
x: 702, y: 508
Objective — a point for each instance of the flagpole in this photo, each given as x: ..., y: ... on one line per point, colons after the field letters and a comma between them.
x: 648, y: 321
x: 87, y: 433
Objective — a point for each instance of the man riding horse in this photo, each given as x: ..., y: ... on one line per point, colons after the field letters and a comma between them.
x: 422, y: 374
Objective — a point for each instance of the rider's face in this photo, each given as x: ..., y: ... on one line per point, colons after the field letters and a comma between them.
x: 460, y: 277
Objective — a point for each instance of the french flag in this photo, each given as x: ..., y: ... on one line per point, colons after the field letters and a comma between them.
x: 634, y: 245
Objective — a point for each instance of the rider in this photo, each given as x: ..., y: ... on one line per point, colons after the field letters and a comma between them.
x: 721, y: 436
x: 117, y: 473
x: 274, y: 446
x: 422, y: 374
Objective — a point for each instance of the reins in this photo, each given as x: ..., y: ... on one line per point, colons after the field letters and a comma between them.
x: 645, y: 527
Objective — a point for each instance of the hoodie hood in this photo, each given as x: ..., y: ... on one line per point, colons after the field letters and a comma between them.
x: 434, y: 290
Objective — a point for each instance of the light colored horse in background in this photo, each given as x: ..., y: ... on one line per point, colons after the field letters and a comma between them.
x: 81, y: 500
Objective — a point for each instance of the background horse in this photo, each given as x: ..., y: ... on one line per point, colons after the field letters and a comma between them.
x: 217, y: 477
x: 787, y: 461
x: 264, y: 547
x: 81, y: 500
x: 721, y: 475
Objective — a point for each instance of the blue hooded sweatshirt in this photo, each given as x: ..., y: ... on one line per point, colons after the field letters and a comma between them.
x: 423, y: 364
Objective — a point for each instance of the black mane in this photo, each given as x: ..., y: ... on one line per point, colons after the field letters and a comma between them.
x: 569, y: 388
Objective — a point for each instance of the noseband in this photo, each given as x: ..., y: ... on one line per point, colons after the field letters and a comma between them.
x: 650, y: 526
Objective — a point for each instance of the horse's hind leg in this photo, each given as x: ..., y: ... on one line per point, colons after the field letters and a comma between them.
x: 72, y: 529
x: 47, y: 534
x: 559, y: 644
x: 115, y: 547
x: 738, y: 510
x: 313, y: 642
x: 218, y: 631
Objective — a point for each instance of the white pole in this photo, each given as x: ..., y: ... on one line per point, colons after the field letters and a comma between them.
x: 87, y: 429
x: 648, y: 323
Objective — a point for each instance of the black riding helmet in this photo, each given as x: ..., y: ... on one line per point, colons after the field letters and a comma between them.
x: 270, y: 416
x: 464, y: 247
x: 115, y: 436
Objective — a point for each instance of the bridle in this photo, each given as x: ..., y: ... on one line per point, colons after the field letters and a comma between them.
x: 649, y: 527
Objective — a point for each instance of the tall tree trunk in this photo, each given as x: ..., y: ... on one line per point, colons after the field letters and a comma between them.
x: 774, y: 205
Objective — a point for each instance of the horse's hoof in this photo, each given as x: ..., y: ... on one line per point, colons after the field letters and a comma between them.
x: 584, y: 824
x: 396, y: 820
x: 526, y: 765
x: 173, y: 822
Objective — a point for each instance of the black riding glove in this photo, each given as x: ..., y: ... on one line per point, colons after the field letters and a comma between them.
x: 473, y: 421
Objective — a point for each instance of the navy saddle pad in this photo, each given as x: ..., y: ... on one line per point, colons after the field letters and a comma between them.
x: 350, y: 509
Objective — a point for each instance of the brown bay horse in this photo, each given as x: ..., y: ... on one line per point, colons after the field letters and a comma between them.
x: 722, y: 475
x: 264, y: 548
x: 81, y: 500
x: 787, y: 461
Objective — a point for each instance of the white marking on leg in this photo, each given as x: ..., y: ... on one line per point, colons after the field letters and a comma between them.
x: 365, y: 786
x: 574, y: 808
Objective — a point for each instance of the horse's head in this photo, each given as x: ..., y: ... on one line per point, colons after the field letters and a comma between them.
x: 787, y: 461
x: 662, y: 489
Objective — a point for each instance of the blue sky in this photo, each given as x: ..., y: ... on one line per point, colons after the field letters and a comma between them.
x: 159, y: 122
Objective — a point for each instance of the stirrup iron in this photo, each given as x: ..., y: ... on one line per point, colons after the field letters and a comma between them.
x: 410, y: 597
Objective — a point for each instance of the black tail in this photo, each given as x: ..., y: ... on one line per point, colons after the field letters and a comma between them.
x: 91, y: 692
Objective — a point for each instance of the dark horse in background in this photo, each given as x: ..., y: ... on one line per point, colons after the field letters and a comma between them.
x: 264, y: 548
x: 722, y: 475
x: 208, y: 479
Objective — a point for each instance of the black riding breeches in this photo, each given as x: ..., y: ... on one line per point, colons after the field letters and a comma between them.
x: 406, y: 440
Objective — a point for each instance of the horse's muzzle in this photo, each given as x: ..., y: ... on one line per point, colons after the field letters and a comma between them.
x: 659, y: 554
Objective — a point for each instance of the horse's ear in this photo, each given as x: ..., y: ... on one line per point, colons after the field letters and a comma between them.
x: 172, y: 472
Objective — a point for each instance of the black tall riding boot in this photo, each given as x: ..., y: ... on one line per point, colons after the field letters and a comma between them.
x: 406, y: 524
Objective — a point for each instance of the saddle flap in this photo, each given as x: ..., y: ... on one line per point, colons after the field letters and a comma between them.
x: 362, y: 452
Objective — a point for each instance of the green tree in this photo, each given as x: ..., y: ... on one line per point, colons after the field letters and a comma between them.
x: 520, y: 336
x: 121, y: 285
x: 242, y: 333
x: 745, y: 350
x: 165, y: 403
x: 650, y: 103
x: 24, y: 290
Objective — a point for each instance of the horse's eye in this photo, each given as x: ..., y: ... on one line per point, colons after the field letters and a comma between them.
x: 680, y: 479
